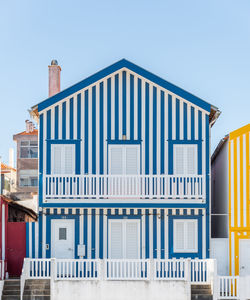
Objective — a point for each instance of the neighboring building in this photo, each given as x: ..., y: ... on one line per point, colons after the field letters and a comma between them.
x: 124, y: 164
x: 27, y: 161
x: 230, y: 201
x: 8, y: 178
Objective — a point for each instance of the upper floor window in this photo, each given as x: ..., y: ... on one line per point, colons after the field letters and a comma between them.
x: 185, y: 236
x: 28, y: 178
x: 185, y: 159
x: 124, y: 159
x: 62, y: 159
x: 29, y: 149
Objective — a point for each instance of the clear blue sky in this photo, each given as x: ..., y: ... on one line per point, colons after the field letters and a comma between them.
x: 202, y: 46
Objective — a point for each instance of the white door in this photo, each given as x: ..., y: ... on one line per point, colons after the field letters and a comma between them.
x: 62, y: 241
x: 124, y: 239
x: 244, y: 259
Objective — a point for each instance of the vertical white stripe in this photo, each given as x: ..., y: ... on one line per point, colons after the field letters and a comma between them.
x: 135, y: 107
x: 181, y: 120
x: 81, y: 227
x: 120, y: 105
x: 60, y: 121
x: 105, y: 127
x: 158, y: 224
x: 82, y: 131
x: 90, y: 133
x: 151, y: 232
x: 143, y: 233
x: 30, y: 237
x: 203, y: 143
x: 232, y: 254
x: 52, y: 122
x: 158, y: 131
x: 128, y: 105
x: 166, y: 233
x: 44, y: 236
x: 232, y: 182
x: 238, y: 182
x: 36, y: 240
x: 196, y: 126
x: 75, y: 109
x: 150, y: 129
x: 67, y: 118
x: 143, y: 125
x: 173, y: 118
x: 97, y: 237
x: 244, y: 183
x: 166, y: 132
x: 97, y: 128
x: 105, y: 233
x: 44, y: 141
x: 188, y: 121
x: 89, y: 233
x: 203, y: 233
x: 112, y: 107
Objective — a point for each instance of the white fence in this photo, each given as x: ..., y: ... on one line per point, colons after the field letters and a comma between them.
x: 124, y: 186
x: 171, y: 269
x: 228, y: 287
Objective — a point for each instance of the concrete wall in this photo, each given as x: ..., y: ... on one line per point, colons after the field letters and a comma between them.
x: 219, y: 249
x: 120, y: 290
x: 220, y: 198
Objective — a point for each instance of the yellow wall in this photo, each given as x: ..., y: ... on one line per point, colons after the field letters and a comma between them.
x: 239, y: 199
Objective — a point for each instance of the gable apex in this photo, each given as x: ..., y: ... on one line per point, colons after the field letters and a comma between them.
x: 123, y: 63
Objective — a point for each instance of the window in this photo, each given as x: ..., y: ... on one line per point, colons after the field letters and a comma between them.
x: 63, y: 234
x: 185, y: 236
x: 28, y: 178
x: 62, y: 158
x: 185, y: 159
x: 124, y: 159
x: 29, y: 149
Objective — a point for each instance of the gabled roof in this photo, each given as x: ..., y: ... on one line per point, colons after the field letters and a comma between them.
x: 115, y: 67
x: 6, y: 169
x: 34, y: 132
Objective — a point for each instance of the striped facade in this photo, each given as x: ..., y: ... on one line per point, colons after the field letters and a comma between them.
x: 239, y: 217
x: 123, y: 104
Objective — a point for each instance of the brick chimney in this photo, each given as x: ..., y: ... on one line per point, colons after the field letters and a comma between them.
x: 54, y: 78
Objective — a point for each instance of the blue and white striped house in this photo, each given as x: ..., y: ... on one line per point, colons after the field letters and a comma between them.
x: 124, y: 169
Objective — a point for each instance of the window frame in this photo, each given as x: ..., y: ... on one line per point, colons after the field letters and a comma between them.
x: 28, y: 177
x: 185, y: 249
x: 124, y: 147
x: 28, y: 146
x: 185, y: 146
x: 73, y: 158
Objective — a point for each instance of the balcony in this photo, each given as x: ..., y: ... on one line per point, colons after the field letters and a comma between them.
x: 101, y: 187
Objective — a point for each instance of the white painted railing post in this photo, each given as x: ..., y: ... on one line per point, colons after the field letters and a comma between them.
x: 101, y: 269
x: 53, y: 276
x: 152, y: 274
x: 187, y: 269
x: 24, y: 275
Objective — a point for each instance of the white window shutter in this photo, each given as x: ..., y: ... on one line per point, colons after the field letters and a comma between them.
x: 116, y: 160
x: 132, y: 166
x: 57, y: 158
x: 68, y: 159
x: 116, y: 241
x: 191, y: 159
x: 179, y: 236
x: 191, y: 235
x: 179, y: 167
x: 132, y: 240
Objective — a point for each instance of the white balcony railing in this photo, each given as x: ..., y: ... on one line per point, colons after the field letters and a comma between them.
x: 124, y: 186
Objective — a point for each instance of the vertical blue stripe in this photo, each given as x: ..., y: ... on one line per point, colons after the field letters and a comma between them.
x: 139, y: 109
x: 154, y: 233
x: 147, y: 233
x: 56, y: 122
x: 101, y: 234
x: 86, y: 144
x: 64, y: 120
x: 132, y: 107
x: 200, y: 125
x: 124, y: 93
x: 162, y: 133
x: 116, y: 106
x: 147, y: 128
x: 109, y: 109
x: 155, y: 130
x: 192, y: 123
x: 71, y: 118
x: 27, y: 240
x: 163, y: 235
x: 207, y: 186
x: 94, y: 130
x: 169, y: 117
x: 79, y: 109
x: 177, y: 119
x: 33, y: 239
x: 185, y: 120
x: 93, y: 254
x: 40, y: 229
x: 101, y: 127
x: 41, y: 160
x: 85, y: 229
x: 48, y: 125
